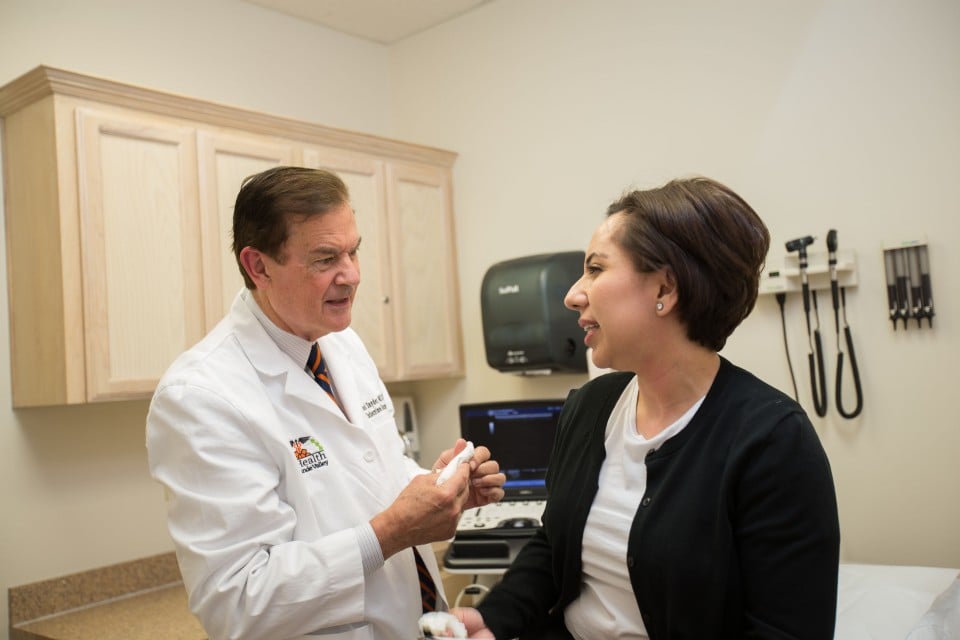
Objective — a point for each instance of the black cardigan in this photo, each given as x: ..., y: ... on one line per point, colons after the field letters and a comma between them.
x: 737, y: 535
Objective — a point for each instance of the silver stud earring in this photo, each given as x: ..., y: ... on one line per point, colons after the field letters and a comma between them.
x: 659, y: 306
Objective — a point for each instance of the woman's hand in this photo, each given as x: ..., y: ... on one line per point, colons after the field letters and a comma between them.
x: 473, y: 621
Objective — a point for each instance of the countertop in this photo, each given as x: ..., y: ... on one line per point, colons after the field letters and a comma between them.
x: 138, y: 600
x: 143, y: 598
x: 159, y: 613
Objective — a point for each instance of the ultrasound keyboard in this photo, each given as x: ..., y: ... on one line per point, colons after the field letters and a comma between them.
x: 511, y: 518
x: 489, y: 538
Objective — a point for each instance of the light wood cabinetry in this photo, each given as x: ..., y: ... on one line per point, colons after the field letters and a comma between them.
x: 118, y: 207
x: 407, y: 307
x: 141, y: 249
x: 428, y: 338
x: 224, y: 161
x: 373, y: 317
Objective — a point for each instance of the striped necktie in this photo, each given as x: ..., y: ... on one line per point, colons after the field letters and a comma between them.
x: 318, y: 366
x: 428, y: 588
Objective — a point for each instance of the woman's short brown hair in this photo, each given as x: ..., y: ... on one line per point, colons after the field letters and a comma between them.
x: 267, y: 202
x: 712, y: 241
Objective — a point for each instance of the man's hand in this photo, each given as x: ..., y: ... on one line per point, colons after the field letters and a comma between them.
x: 486, y: 481
x: 423, y: 512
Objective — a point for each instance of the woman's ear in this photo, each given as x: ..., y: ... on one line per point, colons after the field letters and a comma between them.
x: 667, y: 294
x: 254, y: 265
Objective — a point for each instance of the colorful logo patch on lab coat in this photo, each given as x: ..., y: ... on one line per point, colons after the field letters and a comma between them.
x: 309, y: 453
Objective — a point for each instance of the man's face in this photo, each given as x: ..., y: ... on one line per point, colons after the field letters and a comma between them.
x: 311, y: 293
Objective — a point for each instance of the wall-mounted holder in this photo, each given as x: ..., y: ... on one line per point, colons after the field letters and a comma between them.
x: 786, y: 279
x: 807, y: 272
x: 909, y: 289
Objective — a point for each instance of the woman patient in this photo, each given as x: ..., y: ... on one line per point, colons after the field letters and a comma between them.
x: 687, y: 498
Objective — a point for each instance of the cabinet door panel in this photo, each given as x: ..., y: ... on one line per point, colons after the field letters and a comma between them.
x: 373, y: 307
x: 225, y: 161
x: 140, y: 246
x: 425, y: 277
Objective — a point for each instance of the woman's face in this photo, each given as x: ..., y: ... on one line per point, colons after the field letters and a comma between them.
x: 617, y: 304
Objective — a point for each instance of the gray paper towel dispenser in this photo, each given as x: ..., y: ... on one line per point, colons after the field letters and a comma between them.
x: 526, y: 328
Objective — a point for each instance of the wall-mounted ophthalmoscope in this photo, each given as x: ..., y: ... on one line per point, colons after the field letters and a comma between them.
x: 818, y: 389
x: 840, y: 305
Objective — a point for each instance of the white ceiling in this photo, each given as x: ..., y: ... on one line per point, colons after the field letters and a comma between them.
x: 384, y: 21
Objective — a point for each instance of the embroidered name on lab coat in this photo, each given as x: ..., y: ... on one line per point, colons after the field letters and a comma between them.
x: 309, y: 453
x: 375, y: 405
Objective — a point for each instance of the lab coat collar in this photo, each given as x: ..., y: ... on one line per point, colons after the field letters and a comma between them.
x: 340, y: 366
x: 266, y: 357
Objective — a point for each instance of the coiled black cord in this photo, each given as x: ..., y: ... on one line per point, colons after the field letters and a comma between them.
x: 819, y: 397
x: 853, y: 367
x: 782, y: 301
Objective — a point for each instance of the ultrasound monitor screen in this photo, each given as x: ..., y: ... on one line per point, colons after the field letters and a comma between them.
x: 519, y: 434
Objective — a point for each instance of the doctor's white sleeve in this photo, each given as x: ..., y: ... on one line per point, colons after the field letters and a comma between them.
x: 245, y: 573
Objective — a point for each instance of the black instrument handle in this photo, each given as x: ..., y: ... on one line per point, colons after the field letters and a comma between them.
x: 892, y: 301
x: 927, y: 292
x: 834, y: 291
x: 903, y: 293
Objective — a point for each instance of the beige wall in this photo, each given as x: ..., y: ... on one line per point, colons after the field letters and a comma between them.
x: 824, y: 114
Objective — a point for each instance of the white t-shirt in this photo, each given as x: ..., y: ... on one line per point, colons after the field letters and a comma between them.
x: 607, y: 607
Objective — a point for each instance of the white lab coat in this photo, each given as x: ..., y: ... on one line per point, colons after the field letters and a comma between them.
x: 265, y: 539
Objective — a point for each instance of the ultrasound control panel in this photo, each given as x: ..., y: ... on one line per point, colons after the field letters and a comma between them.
x: 489, y: 538
x: 502, y: 518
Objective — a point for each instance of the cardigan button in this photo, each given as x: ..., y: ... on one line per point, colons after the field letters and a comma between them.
x: 630, y: 561
x: 646, y: 501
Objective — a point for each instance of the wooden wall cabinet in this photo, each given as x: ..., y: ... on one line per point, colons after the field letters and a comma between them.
x: 422, y: 239
x: 224, y: 161
x: 118, y: 212
x: 407, y: 307
x: 140, y: 250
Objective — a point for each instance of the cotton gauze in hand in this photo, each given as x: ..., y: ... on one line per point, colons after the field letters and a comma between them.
x: 451, y: 468
x: 440, y: 624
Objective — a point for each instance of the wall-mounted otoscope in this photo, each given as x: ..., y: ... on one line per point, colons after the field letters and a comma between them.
x: 817, y: 388
x: 840, y: 302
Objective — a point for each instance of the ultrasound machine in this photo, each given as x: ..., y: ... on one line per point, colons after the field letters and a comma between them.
x: 519, y: 434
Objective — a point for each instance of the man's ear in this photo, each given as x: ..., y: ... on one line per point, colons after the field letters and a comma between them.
x: 253, y: 263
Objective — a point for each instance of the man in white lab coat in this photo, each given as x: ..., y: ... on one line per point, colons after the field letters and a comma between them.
x: 292, y: 507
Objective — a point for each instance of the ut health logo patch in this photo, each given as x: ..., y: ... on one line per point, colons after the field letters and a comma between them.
x: 309, y: 453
